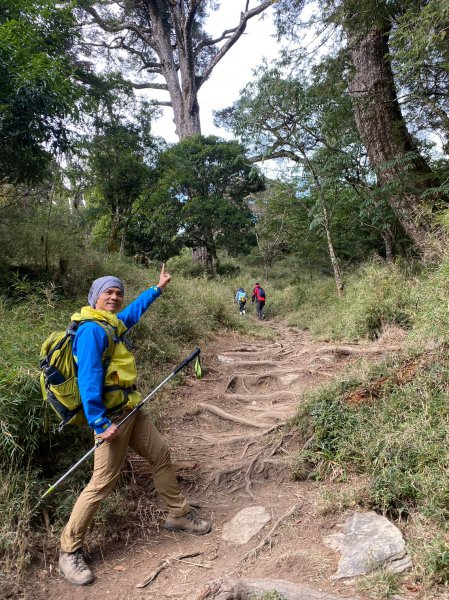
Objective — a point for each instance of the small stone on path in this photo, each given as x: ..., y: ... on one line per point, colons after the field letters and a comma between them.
x: 367, y: 542
x: 245, y: 525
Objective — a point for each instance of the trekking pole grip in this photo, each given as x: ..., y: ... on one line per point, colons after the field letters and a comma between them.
x: 186, y: 361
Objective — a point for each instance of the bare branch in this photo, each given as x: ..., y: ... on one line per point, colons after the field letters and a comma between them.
x: 144, y: 35
x: 224, y: 36
x: 244, y: 18
x: 149, y: 86
x: 271, y: 154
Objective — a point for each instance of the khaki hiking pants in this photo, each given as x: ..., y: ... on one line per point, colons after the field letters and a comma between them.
x: 142, y: 436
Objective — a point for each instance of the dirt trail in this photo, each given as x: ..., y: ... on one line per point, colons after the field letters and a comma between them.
x: 226, y: 462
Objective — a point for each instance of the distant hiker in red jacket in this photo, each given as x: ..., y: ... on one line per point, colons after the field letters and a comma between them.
x: 259, y: 297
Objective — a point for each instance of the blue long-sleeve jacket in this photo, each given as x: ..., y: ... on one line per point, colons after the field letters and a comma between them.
x: 89, y: 344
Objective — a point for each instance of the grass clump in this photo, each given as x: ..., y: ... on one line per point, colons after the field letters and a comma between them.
x: 396, y: 433
x: 381, y: 585
x: 431, y: 323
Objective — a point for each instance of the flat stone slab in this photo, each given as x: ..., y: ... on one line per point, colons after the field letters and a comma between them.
x: 225, y: 359
x: 245, y: 525
x: 247, y: 589
x: 367, y: 542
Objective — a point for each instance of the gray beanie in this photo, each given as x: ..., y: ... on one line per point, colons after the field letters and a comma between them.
x: 102, y: 284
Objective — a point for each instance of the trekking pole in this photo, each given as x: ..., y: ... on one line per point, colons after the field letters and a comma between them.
x: 181, y: 365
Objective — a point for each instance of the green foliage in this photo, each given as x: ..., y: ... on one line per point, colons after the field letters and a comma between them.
x: 308, y: 119
x: 421, y: 60
x: 432, y: 318
x: 37, y: 88
x: 119, y: 175
x: 209, y: 179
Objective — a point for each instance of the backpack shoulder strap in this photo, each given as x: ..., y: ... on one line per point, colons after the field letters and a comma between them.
x: 110, y: 331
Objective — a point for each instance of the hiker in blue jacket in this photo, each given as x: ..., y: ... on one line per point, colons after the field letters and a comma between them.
x: 240, y: 299
x: 108, y: 393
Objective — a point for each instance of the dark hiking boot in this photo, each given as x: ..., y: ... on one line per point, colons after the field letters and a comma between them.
x: 73, y: 566
x: 189, y: 523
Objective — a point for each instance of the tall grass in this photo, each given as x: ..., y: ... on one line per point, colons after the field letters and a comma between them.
x: 376, y: 295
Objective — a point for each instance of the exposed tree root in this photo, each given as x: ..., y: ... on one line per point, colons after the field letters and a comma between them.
x: 267, y: 539
x: 212, y: 588
x: 255, y: 348
x: 164, y: 565
x: 255, y: 436
x: 224, y: 415
x: 249, y: 363
x: 348, y: 350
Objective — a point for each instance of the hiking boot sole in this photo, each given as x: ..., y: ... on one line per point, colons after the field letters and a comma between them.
x: 76, y: 582
x: 178, y: 529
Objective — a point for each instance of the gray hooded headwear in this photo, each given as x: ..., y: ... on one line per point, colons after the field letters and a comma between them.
x: 102, y: 284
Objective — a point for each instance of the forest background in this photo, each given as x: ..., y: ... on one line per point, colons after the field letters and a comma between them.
x: 349, y: 238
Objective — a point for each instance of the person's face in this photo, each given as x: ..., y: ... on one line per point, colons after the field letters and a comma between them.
x: 110, y: 300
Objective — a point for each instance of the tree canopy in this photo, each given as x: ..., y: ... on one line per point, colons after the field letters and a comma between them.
x: 38, y: 90
x: 209, y: 179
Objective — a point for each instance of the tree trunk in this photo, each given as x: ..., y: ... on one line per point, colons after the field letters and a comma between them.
x: 330, y: 247
x: 168, y: 39
x: 179, y: 73
x: 392, y: 152
x: 206, y: 257
x: 388, y: 242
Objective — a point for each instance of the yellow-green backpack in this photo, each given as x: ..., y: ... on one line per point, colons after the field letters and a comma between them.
x: 58, y: 377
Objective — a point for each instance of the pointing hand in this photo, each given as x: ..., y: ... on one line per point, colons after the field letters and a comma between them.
x: 164, y: 278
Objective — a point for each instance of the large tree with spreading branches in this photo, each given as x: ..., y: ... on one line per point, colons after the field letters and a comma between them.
x: 166, y: 43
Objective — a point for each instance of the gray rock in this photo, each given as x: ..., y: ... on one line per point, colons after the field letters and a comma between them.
x: 225, y: 359
x: 248, y: 589
x: 367, y: 542
x: 245, y: 524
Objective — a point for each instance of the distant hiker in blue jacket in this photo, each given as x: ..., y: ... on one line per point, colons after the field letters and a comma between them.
x: 108, y: 393
x: 259, y: 298
x: 240, y: 299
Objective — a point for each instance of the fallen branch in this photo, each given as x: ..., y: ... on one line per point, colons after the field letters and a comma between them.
x: 164, y: 565
x: 253, y: 553
x: 224, y: 415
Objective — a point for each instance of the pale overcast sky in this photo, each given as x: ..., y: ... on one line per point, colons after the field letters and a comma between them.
x: 232, y: 72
